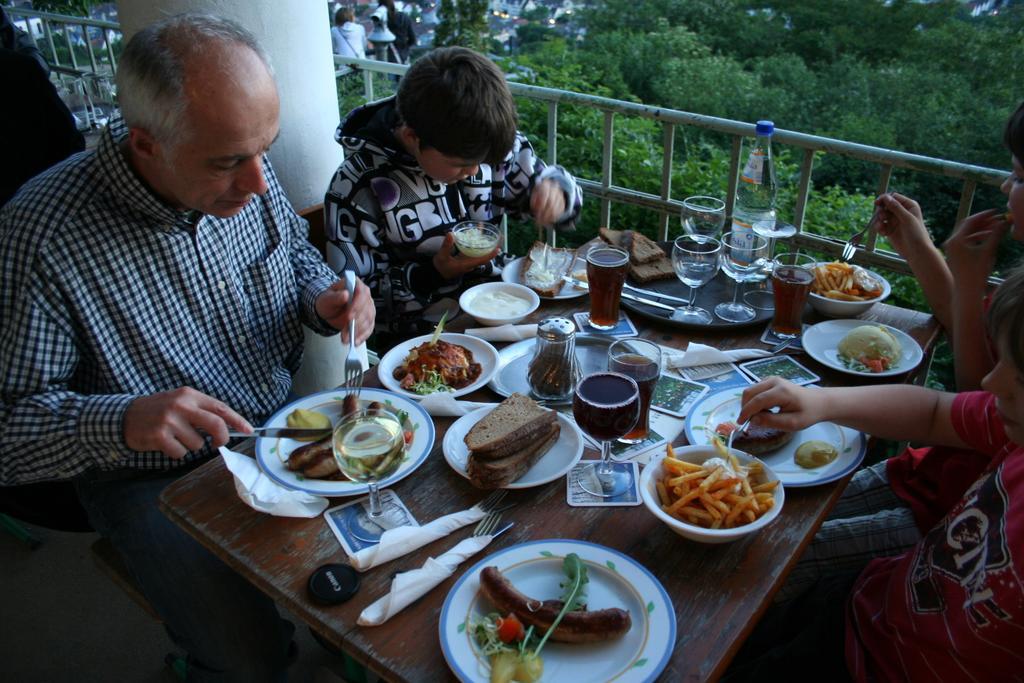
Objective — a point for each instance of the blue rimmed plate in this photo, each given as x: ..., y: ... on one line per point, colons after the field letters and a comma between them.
x: 724, y: 406
x: 272, y: 453
x: 535, y: 569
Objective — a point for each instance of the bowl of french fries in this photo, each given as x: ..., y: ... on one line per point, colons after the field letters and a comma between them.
x: 708, y: 495
x: 843, y: 290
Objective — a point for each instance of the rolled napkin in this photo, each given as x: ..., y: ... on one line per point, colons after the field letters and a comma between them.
x: 504, y: 333
x: 699, y: 354
x: 263, y: 494
x: 408, y: 586
x: 404, y: 539
x: 443, y: 404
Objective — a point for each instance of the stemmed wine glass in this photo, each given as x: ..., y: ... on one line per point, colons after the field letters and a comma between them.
x: 703, y: 215
x: 771, y: 229
x: 743, y: 258
x: 606, y: 405
x: 369, y: 446
x: 696, y: 262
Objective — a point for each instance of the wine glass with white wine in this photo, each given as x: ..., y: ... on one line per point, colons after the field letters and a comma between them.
x: 369, y: 445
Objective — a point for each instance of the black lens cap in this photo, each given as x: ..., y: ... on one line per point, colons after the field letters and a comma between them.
x: 333, y: 584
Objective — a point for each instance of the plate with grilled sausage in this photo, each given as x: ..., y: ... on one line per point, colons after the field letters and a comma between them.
x: 311, y: 467
x: 716, y: 414
x: 625, y: 631
x: 456, y: 363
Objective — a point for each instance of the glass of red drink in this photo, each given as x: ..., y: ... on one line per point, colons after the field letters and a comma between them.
x: 606, y: 406
x: 606, y: 272
x: 641, y: 360
x: 792, y: 276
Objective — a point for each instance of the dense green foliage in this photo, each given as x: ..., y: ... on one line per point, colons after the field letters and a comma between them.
x: 462, y: 23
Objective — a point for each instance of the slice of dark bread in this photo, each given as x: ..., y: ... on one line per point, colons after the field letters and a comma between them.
x: 541, y: 428
x: 642, y: 249
x: 649, y: 272
x: 493, y: 474
x: 515, y: 418
x: 612, y: 237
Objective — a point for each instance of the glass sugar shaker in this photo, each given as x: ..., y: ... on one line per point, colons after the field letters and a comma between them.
x: 554, y: 370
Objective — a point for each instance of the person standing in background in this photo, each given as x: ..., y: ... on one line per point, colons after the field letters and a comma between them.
x: 348, y: 39
x: 400, y: 24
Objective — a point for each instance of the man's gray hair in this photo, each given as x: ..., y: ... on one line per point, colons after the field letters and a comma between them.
x: 151, y: 72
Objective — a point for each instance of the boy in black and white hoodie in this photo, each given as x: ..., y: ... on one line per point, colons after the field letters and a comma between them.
x: 443, y: 150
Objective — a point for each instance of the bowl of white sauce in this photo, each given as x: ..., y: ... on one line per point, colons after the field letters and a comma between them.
x: 499, y: 303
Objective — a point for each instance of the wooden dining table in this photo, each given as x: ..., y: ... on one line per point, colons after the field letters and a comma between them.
x: 719, y: 592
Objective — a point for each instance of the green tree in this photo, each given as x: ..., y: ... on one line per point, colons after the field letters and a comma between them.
x: 463, y: 23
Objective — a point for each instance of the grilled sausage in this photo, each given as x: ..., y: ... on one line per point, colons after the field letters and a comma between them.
x: 302, y: 456
x: 578, y: 626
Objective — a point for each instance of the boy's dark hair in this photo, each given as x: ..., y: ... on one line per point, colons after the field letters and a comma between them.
x: 1013, y: 136
x: 458, y: 103
x: 1006, y: 316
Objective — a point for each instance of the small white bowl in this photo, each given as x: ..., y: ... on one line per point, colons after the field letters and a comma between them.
x: 834, y: 308
x: 698, y: 454
x: 469, y: 302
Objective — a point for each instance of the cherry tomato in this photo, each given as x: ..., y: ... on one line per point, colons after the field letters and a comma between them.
x: 510, y: 629
x: 408, y: 436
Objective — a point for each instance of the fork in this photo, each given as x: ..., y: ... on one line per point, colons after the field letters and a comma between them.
x: 353, y: 368
x: 490, y: 503
x: 489, y: 523
x: 850, y: 248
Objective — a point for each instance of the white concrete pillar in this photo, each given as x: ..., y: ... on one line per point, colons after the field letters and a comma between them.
x: 296, y: 35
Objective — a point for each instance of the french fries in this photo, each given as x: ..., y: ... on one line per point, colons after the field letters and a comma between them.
x: 712, y: 497
x: 837, y: 280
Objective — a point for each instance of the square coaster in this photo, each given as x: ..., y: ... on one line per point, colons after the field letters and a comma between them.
x: 627, y: 451
x: 772, y: 339
x: 732, y: 377
x: 624, y: 328
x: 354, y: 528
x: 674, y: 396
x: 577, y: 497
x: 779, y: 366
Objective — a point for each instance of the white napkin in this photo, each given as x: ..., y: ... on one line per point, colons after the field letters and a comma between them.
x: 404, y: 539
x: 443, y: 404
x: 699, y: 354
x: 261, y: 493
x: 408, y: 586
x: 504, y: 333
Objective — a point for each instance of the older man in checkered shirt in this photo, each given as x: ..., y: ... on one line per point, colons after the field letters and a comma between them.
x: 152, y: 296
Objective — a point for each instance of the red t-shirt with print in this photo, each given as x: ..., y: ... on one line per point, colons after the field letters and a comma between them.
x: 931, y: 480
x: 952, y: 607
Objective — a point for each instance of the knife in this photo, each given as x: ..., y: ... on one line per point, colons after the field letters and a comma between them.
x: 647, y: 302
x: 647, y: 292
x: 283, y: 433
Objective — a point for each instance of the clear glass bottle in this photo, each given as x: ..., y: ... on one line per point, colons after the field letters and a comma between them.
x: 757, y: 188
x: 554, y: 370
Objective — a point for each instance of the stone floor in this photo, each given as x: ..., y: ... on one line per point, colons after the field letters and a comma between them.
x: 64, y: 620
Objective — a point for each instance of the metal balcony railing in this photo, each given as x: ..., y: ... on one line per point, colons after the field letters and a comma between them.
x: 669, y: 209
x: 92, y: 34
x: 76, y: 32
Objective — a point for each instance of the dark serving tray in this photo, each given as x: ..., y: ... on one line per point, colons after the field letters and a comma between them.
x: 713, y: 293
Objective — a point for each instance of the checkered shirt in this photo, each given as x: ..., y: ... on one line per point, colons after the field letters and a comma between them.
x: 108, y: 294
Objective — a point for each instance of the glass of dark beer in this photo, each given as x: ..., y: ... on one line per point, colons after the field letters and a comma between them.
x: 606, y: 405
x: 641, y: 360
x: 606, y: 273
x: 792, y: 276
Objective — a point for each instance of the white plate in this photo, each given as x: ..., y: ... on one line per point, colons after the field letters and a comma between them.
x: 724, y: 406
x: 536, y: 569
x: 559, y: 459
x: 272, y: 453
x: 821, y: 342
x: 483, y: 353
x: 513, y: 272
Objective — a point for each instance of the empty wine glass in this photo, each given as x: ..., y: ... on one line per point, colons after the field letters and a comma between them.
x: 606, y: 405
x: 696, y: 262
x: 102, y: 98
x: 743, y: 258
x: 703, y: 215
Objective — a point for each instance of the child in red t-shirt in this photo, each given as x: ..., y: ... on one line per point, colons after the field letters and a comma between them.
x: 952, y: 607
